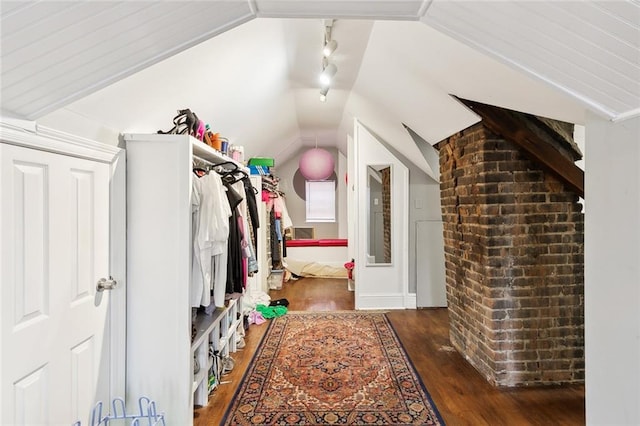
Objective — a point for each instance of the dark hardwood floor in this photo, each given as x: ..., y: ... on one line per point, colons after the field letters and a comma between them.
x: 462, y: 396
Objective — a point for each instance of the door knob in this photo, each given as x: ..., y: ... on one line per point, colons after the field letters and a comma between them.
x: 106, y: 284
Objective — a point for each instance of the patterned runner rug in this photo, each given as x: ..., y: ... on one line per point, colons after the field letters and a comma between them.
x: 341, y: 368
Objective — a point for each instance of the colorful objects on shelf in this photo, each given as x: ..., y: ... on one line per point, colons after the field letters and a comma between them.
x: 261, y: 161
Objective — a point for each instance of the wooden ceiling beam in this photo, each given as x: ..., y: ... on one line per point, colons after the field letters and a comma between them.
x: 504, y: 123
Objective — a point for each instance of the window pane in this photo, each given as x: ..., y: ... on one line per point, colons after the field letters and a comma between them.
x: 321, y: 201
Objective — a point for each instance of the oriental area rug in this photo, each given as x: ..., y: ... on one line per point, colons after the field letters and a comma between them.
x: 331, y: 368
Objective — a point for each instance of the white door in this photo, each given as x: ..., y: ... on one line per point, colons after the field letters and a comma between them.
x: 431, y: 288
x: 54, y: 231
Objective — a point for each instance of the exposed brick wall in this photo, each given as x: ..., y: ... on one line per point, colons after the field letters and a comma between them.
x: 386, y: 212
x: 514, y: 262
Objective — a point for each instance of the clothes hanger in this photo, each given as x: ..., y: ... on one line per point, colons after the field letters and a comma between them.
x: 225, y: 163
x: 232, y: 177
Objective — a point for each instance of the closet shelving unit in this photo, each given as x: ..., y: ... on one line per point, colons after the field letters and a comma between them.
x: 218, y: 330
x: 160, y: 351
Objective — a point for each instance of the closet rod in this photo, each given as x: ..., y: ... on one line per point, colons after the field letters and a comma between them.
x: 207, y: 162
x: 216, y: 166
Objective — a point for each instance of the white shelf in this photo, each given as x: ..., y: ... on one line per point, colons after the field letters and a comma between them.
x: 204, y: 325
x: 199, y: 149
x: 200, y: 376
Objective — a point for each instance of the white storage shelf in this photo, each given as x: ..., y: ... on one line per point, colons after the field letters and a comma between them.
x: 159, y: 348
x: 213, y: 330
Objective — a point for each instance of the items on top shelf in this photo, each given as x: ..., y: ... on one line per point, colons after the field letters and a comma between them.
x: 261, y: 161
x: 213, y: 157
x: 259, y: 170
x: 261, y: 165
x: 186, y: 122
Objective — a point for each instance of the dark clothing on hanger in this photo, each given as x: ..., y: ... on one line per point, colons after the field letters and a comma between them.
x: 284, y: 246
x: 252, y: 206
x: 234, y: 260
x: 276, y: 261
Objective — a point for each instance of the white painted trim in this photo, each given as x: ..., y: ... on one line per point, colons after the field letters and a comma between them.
x: 411, y: 301
x: 57, y: 142
x: 424, y: 7
x: 381, y: 301
x: 253, y: 7
x: 633, y: 113
x: 299, y: 14
x: 28, y: 125
x: 118, y: 270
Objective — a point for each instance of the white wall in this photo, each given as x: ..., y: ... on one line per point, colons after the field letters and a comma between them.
x: 426, y: 275
x: 296, y: 206
x: 383, y: 286
x: 427, y: 245
x: 76, y: 124
x: 612, y: 272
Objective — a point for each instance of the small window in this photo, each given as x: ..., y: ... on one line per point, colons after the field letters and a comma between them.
x: 321, y: 201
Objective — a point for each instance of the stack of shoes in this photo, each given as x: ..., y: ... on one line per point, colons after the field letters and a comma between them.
x: 240, y: 343
x: 227, y: 364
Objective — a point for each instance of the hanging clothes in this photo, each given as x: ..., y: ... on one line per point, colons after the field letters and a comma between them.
x: 243, y: 223
x: 210, y: 220
x: 234, y: 244
x: 252, y: 208
x: 276, y: 260
x: 286, y: 219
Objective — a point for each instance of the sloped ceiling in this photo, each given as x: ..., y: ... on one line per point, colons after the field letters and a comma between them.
x: 100, y: 68
x: 587, y: 49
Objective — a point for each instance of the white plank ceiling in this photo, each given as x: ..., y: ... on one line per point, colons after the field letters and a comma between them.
x: 101, y: 68
x: 589, y: 49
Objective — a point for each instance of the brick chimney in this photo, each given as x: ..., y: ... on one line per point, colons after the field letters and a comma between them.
x: 514, y: 257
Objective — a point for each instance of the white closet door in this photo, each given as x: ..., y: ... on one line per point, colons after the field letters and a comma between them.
x: 54, y: 231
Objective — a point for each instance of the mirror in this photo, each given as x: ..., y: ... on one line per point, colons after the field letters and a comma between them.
x: 379, y: 214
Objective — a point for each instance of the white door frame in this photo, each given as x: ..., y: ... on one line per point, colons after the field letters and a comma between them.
x: 50, y: 140
x: 381, y: 286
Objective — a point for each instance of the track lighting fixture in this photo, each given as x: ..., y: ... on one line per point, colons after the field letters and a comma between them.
x: 328, y: 70
x: 329, y: 47
x: 323, y: 93
x: 327, y: 74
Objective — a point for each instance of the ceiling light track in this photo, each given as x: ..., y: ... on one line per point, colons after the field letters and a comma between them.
x: 329, y: 70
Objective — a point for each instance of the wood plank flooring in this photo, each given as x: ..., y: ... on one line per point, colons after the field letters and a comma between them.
x: 461, y: 394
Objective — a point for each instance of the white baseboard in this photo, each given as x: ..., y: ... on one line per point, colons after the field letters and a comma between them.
x: 385, y: 301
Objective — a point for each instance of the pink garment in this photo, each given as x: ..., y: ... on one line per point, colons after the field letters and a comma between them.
x: 200, y: 131
x: 277, y: 207
x: 256, y: 317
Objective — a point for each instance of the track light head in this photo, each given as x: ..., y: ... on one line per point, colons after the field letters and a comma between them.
x: 329, y: 47
x: 323, y: 93
x: 327, y: 74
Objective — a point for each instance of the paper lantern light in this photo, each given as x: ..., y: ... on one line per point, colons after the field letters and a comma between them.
x: 316, y: 164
